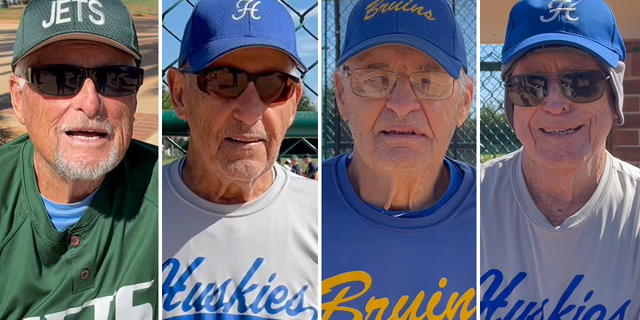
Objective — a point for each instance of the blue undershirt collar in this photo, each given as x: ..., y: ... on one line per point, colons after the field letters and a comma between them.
x: 64, y: 216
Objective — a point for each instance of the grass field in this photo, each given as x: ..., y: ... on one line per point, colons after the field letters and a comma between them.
x: 487, y: 157
x: 136, y: 7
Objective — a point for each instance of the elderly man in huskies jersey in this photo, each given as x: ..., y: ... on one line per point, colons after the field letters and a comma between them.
x: 240, y: 233
x: 560, y: 218
x: 78, y: 196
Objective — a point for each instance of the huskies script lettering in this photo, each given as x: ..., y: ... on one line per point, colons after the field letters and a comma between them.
x: 456, y: 305
x: 200, y: 299
x: 492, y: 301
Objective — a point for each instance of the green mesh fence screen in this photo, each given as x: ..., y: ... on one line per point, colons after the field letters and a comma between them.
x: 496, y: 136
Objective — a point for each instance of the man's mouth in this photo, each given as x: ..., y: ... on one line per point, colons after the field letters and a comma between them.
x: 87, y: 135
x: 244, y: 139
x: 401, y: 130
x: 561, y: 132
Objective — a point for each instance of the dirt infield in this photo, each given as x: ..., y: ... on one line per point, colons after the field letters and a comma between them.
x: 146, y: 123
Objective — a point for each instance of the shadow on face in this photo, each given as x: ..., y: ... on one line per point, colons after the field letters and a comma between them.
x: 236, y: 138
x: 401, y: 131
x: 560, y: 133
x: 82, y: 137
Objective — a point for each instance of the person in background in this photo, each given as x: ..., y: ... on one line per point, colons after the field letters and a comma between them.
x: 311, y: 170
x: 295, y: 167
x: 287, y: 165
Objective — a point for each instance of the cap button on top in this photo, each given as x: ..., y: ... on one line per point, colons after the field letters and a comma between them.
x: 74, y: 241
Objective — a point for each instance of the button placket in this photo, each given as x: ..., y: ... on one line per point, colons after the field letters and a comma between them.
x: 84, y: 274
x: 74, y: 241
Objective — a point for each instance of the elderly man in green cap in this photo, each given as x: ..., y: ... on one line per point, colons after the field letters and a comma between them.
x: 78, y: 196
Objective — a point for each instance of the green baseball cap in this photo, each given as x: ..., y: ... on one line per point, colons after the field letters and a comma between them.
x: 45, y: 22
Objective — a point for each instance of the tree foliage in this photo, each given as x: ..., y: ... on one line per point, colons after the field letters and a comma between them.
x: 5, y: 133
x: 166, y: 99
x: 306, y: 104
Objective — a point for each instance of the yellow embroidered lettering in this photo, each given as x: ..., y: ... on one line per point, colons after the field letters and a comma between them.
x: 457, y: 306
x: 396, y: 6
x: 412, y: 311
x: 404, y: 8
x: 434, y: 301
x: 464, y: 301
x: 372, y: 9
x: 376, y: 304
x: 429, y: 15
x: 328, y: 284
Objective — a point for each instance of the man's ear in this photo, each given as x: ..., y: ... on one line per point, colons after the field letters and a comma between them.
x: 296, y: 100
x: 465, y: 105
x: 15, y: 90
x: 177, y: 85
x: 339, y: 93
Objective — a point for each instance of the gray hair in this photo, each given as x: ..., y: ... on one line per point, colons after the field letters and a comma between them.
x: 20, y: 69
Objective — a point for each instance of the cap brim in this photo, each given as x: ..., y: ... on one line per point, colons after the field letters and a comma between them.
x: 216, y: 49
x: 597, y: 50
x: 81, y: 36
x: 450, y: 64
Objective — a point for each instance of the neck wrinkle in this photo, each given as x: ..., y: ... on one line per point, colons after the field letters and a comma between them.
x: 567, y: 191
x: 217, y: 188
x: 398, y: 190
x: 57, y: 189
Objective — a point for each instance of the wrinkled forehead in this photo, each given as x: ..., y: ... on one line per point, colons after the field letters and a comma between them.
x: 392, y: 57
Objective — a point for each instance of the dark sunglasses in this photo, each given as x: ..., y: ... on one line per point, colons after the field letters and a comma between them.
x: 228, y: 83
x: 62, y: 80
x: 530, y: 90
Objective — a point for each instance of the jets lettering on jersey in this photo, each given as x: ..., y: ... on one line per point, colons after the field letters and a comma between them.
x: 457, y: 307
x: 229, y: 299
x: 123, y: 309
x: 60, y: 12
x: 492, y: 300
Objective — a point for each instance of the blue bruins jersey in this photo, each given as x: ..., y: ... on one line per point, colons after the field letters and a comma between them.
x: 376, y: 266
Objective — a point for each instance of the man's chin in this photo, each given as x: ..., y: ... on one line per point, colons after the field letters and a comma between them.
x: 245, y: 169
x: 404, y: 159
x: 85, y: 168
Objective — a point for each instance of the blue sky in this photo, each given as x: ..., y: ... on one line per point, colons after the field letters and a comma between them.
x: 176, y: 19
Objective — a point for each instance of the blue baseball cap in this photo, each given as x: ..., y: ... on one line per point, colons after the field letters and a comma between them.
x: 218, y: 27
x: 588, y: 25
x: 428, y: 26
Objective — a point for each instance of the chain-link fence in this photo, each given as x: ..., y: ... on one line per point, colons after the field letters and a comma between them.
x: 496, y: 136
x: 304, y: 14
x: 336, y: 137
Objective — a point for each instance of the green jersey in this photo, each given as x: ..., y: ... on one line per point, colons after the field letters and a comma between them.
x: 104, y: 267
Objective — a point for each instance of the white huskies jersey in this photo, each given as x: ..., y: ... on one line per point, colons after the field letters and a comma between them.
x: 257, y: 260
x: 585, y: 269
